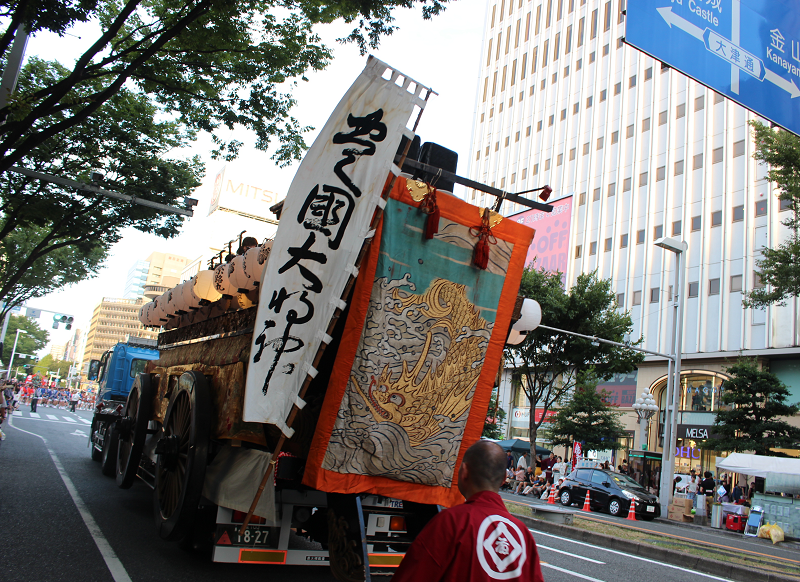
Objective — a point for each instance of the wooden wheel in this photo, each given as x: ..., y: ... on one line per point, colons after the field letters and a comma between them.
x: 133, y: 430
x: 182, y: 454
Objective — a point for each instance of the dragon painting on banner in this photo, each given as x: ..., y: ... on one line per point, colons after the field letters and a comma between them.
x: 417, y: 369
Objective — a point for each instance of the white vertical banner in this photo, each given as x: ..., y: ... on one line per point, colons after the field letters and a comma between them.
x: 325, y: 218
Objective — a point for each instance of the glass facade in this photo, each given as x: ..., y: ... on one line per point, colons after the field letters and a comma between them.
x: 134, y: 283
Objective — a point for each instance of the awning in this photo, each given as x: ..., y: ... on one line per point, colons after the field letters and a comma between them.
x: 759, y: 465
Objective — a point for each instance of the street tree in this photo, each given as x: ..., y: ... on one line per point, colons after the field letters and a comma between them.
x: 779, y: 268
x: 547, y: 363
x: 753, y: 412
x: 586, y: 417
x: 34, y: 339
x: 48, y: 365
x: 51, y: 235
x: 495, y: 419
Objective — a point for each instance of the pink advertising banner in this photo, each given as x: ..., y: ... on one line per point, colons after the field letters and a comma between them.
x: 550, y: 247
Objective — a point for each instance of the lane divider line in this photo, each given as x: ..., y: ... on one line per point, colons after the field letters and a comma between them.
x: 113, y: 563
x: 549, y: 549
x: 692, y: 572
x: 570, y: 572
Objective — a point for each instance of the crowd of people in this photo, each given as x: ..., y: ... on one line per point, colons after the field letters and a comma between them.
x: 15, y: 394
x: 535, y: 479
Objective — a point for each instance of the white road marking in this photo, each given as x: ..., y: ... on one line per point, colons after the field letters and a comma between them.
x: 68, y: 419
x: 630, y: 556
x: 113, y: 563
x: 52, y: 417
x: 37, y: 419
x: 84, y: 421
x: 35, y: 415
x: 80, y: 433
x: 540, y: 546
x: 571, y: 573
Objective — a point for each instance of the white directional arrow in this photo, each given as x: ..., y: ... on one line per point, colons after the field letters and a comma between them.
x: 671, y: 18
x: 784, y: 84
x: 78, y: 432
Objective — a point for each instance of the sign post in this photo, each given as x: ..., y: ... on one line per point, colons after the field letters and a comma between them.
x: 752, y: 56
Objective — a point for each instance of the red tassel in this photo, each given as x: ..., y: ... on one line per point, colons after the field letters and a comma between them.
x: 432, y: 223
x: 481, y: 257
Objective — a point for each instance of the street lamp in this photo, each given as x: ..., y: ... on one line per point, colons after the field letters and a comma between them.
x: 673, y: 383
x: 645, y: 407
x: 13, y: 351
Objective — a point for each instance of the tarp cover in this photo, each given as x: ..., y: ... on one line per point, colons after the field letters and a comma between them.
x: 325, y: 218
x: 419, y: 354
x: 759, y: 465
x: 232, y: 480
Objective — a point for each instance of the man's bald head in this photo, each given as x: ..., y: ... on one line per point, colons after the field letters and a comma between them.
x: 486, y: 464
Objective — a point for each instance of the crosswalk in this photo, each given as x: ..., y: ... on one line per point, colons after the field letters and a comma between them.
x: 47, y: 417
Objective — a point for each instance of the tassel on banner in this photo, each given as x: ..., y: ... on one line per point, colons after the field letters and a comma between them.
x: 431, y: 208
x: 485, y: 237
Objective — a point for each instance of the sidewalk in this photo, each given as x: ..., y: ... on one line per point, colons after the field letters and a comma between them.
x: 721, y: 539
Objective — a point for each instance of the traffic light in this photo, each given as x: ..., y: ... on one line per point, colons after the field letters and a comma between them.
x: 61, y: 318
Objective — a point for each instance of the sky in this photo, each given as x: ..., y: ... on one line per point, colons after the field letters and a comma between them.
x: 441, y: 54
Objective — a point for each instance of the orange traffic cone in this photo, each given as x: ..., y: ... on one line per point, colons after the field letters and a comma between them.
x: 552, y: 499
x: 632, y: 511
x: 586, y: 506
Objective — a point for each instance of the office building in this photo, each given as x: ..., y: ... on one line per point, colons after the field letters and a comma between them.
x: 154, y: 275
x: 57, y: 351
x: 636, y: 151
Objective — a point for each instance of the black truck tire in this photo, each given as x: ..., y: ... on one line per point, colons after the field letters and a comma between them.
x: 97, y: 455
x: 137, y: 415
x: 110, y: 444
x: 182, y: 456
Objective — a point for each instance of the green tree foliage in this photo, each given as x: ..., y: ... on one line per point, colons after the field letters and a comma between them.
x: 495, y: 419
x: 48, y: 364
x: 755, y: 402
x: 546, y: 363
x: 34, y: 339
x: 51, y: 235
x: 779, y: 267
x: 587, y: 417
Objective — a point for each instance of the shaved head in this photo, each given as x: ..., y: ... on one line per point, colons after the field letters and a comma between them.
x: 486, y: 463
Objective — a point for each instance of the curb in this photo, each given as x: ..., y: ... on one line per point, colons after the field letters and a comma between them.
x: 665, y: 555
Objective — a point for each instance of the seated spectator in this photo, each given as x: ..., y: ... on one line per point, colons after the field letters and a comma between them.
x: 519, y: 477
x: 526, y: 481
x: 535, y: 488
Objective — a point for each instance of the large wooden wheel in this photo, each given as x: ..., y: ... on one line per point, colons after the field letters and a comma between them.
x: 182, y: 454
x: 133, y: 430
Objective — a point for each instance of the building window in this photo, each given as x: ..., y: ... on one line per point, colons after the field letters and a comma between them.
x: 716, y: 155
x: 697, y: 162
x: 581, y: 26
x: 560, y: 159
x: 648, y: 73
x: 758, y: 282
x: 738, y: 148
x: 626, y: 184
x: 566, y: 71
x: 596, y: 195
x: 654, y: 293
x: 589, y: 102
x: 508, y: 140
x: 554, y: 78
x: 761, y: 208
x: 600, y: 142
x: 591, y: 57
x: 718, y: 98
x: 576, y: 108
x: 713, y: 286
x: 563, y: 114
x: 620, y: 299
x: 539, y: 125
x: 612, y: 189
x: 542, y: 85
x: 662, y: 117
x: 593, y: 26
x: 586, y: 148
x: 637, y: 298
x: 535, y: 169
x: 658, y: 231
x: 614, y: 137
x: 582, y: 199
x: 694, y: 289
x: 572, y: 153
x: 603, y: 95
x: 716, y: 218
x: 679, y: 167
x: 578, y: 64
x: 593, y: 248
x: 680, y: 111
x: 629, y: 131
x: 608, y: 244
x: 696, y: 222
x: 640, y: 237
x: 736, y: 283
x: 632, y: 82
x: 645, y: 124
x: 738, y: 213
x: 605, y: 50
x: 661, y: 173
x: 547, y: 164
x: 643, y: 179
x: 578, y: 250
x: 617, y: 88
x: 699, y: 103
x: 676, y: 228
x: 784, y: 204
x: 551, y: 120
x: 623, y: 241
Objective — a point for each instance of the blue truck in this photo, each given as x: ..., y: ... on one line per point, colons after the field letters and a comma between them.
x: 115, y: 373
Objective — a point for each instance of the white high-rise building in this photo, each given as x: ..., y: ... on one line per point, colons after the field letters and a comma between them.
x: 643, y: 152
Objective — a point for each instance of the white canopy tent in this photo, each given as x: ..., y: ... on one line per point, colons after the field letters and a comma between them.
x: 759, y: 465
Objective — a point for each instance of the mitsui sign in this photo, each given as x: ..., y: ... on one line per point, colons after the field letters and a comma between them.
x: 747, y: 50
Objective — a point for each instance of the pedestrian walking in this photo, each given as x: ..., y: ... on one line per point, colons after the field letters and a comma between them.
x: 35, y: 399
x: 73, y: 400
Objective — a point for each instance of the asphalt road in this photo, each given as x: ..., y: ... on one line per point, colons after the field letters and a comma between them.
x: 60, y: 519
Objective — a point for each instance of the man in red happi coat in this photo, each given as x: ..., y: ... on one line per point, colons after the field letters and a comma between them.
x: 478, y: 540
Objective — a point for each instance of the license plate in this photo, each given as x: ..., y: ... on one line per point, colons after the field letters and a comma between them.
x: 651, y: 508
x: 253, y: 536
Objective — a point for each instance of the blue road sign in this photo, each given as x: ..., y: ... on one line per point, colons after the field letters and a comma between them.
x: 747, y: 50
